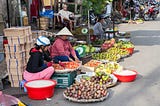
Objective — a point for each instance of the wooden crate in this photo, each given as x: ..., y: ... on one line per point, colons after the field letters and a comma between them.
x: 25, y: 21
x: 12, y: 63
x: 29, y: 38
x: 44, y: 23
x: 15, y: 83
x: 29, y: 45
x: 36, y: 34
x: 14, y: 48
x: 16, y: 70
x: 15, y: 77
x: 16, y: 40
x: 17, y: 31
x: 15, y: 55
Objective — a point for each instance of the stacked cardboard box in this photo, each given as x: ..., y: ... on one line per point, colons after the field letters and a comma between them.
x: 15, y: 50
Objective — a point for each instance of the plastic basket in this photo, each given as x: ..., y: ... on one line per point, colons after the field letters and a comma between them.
x: 64, y: 80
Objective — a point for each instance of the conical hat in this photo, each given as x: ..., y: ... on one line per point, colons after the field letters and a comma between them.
x: 64, y: 31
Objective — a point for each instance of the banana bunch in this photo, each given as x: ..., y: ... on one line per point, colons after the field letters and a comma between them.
x: 112, y: 54
x: 118, y: 51
x: 108, y: 68
x: 124, y: 44
x: 106, y: 56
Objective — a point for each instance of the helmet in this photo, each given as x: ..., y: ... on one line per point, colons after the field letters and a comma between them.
x: 43, y: 41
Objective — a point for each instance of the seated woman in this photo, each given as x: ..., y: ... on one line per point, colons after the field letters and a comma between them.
x: 62, y: 50
x: 67, y: 17
x: 36, y: 67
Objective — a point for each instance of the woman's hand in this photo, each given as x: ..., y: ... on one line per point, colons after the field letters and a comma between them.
x: 70, y: 59
x: 76, y: 59
x: 49, y: 64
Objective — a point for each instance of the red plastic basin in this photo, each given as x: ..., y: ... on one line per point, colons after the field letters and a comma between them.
x: 130, y: 50
x: 40, y: 89
x: 126, y: 78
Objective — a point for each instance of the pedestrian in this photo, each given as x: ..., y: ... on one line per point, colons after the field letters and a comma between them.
x: 39, y: 65
x: 98, y: 28
x: 61, y: 49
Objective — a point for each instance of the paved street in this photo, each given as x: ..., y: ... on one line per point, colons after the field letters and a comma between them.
x: 144, y: 91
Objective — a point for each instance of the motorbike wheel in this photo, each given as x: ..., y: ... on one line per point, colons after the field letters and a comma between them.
x: 146, y: 17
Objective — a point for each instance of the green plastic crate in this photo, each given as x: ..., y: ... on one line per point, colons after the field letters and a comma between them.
x: 64, y: 80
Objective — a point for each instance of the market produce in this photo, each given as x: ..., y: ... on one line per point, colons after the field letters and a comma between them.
x: 86, y: 90
x: 98, y: 42
x: 92, y: 63
x: 84, y: 49
x: 100, y: 78
x: 108, y: 44
x: 66, y: 65
x: 112, y: 54
x: 109, y: 68
x: 124, y: 44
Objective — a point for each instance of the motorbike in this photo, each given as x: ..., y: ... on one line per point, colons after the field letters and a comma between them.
x: 151, y: 12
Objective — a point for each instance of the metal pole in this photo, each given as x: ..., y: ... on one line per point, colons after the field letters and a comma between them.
x: 89, y: 42
x: 20, y: 12
x: 113, y: 13
x: 8, y: 19
x: 39, y: 14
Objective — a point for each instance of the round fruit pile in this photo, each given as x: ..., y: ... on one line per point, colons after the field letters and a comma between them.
x: 102, y: 79
x: 86, y: 90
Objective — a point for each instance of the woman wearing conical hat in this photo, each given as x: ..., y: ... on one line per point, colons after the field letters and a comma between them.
x: 61, y: 49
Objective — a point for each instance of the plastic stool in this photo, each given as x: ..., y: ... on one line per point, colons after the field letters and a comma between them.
x: 22, y: 85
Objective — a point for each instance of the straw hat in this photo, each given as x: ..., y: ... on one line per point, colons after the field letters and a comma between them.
x: 64, y: 31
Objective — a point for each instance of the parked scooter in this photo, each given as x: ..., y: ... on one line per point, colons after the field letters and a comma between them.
x: 151, y: 12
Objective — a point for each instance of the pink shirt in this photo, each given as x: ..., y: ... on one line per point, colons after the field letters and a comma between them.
x: 61, y: 48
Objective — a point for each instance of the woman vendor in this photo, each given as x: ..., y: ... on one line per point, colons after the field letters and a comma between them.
x: 62, y: 50
x: 37, y: 68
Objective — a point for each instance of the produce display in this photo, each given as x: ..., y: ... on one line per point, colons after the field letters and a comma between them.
x: 124, y: 44
x: 84, y: 50
x: 102, y: 72
x: 109, y: 68
x: 66, y: 66
x: 107, y: 44
x: 97, y: 42
x: 100, y: 78
x: 92, y: 63
x: 86, y: 90
x: 112, y: 54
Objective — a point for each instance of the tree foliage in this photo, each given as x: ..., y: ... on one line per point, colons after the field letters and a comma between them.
x: 96, y: 5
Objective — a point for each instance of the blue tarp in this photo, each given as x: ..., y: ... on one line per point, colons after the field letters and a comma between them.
x: 47, y: 13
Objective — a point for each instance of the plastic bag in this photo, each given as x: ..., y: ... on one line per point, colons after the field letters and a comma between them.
x: 8, y: 100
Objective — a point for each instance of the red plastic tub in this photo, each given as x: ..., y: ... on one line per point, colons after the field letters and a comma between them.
x: 40, y: 89
x: 130, y: 50
x: 126, y: 77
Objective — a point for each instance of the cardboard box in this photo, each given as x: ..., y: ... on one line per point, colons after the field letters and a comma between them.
x: 16, y: 40
x: 14, y: 48
x: 15, y: 55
